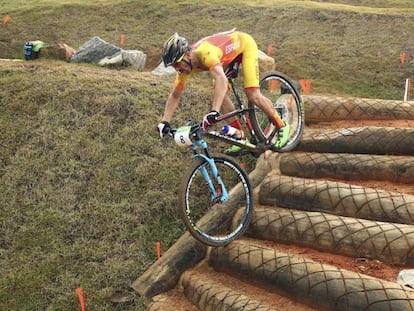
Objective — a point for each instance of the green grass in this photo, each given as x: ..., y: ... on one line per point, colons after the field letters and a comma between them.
x: 86, y: 187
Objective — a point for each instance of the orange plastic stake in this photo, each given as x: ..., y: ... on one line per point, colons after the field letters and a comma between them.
x: 81, y: 298
x: 158, y: 244
x: 273, y: 85
x: 291, y: 102
x: 269, y: 49
x: 6, y: 19
x: 305, y: 84
x: 403, y: 55
x: 122, y: 40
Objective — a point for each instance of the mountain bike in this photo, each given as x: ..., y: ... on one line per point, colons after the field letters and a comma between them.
x: 215, y: 197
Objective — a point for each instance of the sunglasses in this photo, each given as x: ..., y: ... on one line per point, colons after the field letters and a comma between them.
x: 177, y: 66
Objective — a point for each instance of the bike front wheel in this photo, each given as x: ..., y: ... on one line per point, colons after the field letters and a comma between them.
x: 207, y: 219
x: 286, y: 100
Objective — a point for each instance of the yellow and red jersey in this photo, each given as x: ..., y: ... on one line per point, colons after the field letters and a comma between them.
x: 222, y: 48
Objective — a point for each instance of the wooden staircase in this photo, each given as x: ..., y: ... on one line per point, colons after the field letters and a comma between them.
x: 333, y: 223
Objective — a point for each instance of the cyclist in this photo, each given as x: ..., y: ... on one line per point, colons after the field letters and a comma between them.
x: 213, y: 54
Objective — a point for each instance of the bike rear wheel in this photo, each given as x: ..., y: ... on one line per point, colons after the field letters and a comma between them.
x: 214, y: 223
x: 287, y: 102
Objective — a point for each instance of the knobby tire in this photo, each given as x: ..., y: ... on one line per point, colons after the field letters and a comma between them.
x: 280, y: 90
x: 215, y: 224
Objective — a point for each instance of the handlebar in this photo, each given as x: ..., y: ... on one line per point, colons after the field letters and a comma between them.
x: 195, y: 128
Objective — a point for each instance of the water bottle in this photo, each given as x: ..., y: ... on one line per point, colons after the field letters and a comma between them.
x: 28, y: 51
x: 232, y: 132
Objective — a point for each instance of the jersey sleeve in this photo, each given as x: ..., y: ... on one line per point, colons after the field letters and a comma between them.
x: 180, y: 80
x: 209, y: 55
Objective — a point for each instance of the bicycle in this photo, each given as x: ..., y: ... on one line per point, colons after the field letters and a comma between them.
x: 215, y: 187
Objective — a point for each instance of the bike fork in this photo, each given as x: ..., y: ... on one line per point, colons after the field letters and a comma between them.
x: 220, y: 195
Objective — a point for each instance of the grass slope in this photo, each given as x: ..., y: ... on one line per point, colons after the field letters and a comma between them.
x: 86, y: 187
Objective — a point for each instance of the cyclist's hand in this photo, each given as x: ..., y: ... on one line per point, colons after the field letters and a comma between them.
x: 210, y: 118
x: 164, y: 129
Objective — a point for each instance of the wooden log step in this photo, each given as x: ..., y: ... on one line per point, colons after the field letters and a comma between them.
x: 389, y: 242
x: 336, y: 198
x: 162, y: 276
x: 399, y: 169
x: 370, y: 140
x: 205, y: 279
x: 173, y: 300
x: 323, y: 286
x: 208, y: 294
x: 329, y: 108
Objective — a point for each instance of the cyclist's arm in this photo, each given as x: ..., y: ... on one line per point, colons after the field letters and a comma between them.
x: 220, y: 86
x: 172, y: 104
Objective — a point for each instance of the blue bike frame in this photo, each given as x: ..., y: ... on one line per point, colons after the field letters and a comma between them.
x: 215, y: 197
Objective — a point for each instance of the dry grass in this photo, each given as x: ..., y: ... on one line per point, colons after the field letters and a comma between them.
x: 345, y: 47
x: 86, y: 186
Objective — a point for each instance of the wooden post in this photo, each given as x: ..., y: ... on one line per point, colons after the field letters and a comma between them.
x: 407, y: 93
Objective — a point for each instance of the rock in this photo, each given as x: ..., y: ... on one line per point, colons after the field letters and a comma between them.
x: 161, y: 70
x: 134, y: 58
x: 57, y: 51
x: 94, y: 50
x: 266, y: 63
x: 98, y: 51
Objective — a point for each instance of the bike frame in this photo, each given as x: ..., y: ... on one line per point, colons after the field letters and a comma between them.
x: 253, y: 145
x: 216, y: 196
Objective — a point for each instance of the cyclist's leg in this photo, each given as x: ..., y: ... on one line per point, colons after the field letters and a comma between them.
x: 250, y: 65
x: 226, y: 107
x: 255, y: 96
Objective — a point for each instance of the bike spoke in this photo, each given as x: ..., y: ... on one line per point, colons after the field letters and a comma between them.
x: 205, y: 219
x: 287, y: 102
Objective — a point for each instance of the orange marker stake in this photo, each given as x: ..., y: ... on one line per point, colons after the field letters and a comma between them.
x: 122, y: 40
x: 291, y: 102
x: 269, y: 49
x: 6, y: 19
x: 81, y: 298
x: 305, y: 84
x: 403, y: 56
x: 273, y: 85
x: 158, y: 244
